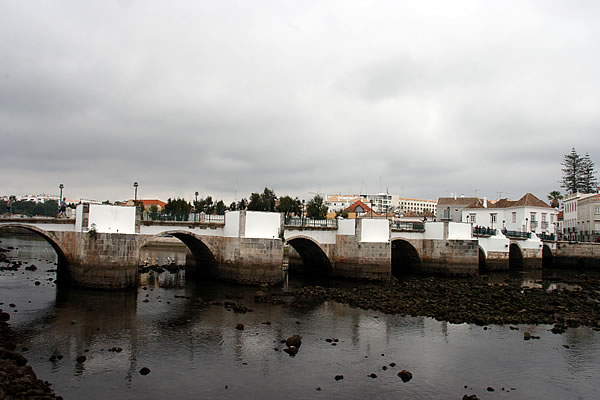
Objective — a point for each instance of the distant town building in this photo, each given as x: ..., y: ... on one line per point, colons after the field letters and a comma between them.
x: 160, y: 205
x: 359, y: 209
x: 406, y: 206
x: 339, y: 202
x: 450, y: 208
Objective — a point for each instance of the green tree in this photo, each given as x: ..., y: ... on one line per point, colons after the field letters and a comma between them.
x: 220, y: 207
x: 178, y: 209
x: 316, y: 208
x: 255, y: 203
x: 153, y: 212
x: 554, y: 197
x: 571, y: 172
x: 588, y: 182
x: 242, y: 204
x: 233, y: 206
x: 287, y: 205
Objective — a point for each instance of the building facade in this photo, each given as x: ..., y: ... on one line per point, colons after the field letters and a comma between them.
x: 528, y: 214
x: 588, y: 218
x: 451, y: 208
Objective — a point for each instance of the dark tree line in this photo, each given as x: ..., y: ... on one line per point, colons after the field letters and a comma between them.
x: 48, y: 208
x: 179, y: 209
x: 579, y: 174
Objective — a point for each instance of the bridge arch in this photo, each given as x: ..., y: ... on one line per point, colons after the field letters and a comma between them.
x: 314, y: 258
x: 515, y: 256
x: 482, y: 259
x: 54, y: 241
x: 547, y: 256
x: 405, y: 258
x: 203, y: 254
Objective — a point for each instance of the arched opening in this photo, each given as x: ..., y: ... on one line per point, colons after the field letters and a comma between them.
x: 405, y: 258
x: 547, y: 258
x: 183, y: 258
x: 515, y: 256
x: 314, y: 259
x: 34, y: 233
x: 482, y: 265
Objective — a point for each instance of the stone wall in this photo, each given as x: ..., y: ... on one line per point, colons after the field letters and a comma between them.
x: 497, y: 261
x: 576, y: 255
x: 453, y: 257
x: 360, y: 260
x: 532, y: 258
x: 252, y: 261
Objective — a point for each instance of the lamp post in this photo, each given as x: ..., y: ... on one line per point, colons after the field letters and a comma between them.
x: 61, y: 187
x: 135, y: 185
x: 302, y: 213
x: 195, y: 206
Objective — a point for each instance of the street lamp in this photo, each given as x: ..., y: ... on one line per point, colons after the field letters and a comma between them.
x: 195, y: 206
x: 61, y: 187
x: 135, y: 185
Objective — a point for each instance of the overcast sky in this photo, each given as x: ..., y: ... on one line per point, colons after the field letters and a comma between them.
x: 420, y: 98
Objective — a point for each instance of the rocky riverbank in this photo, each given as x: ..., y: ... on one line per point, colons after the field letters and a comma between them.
x: 572, y: 303
x: 17, y: 379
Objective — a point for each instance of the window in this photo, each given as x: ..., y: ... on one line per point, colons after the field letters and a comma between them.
x: 472, y: 218
x: 597, y: 211
x: 514, y: 217
x: 493, y: 218
x: 544, y: 216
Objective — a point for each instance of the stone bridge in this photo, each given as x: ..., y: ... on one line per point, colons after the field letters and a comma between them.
x: 101, y: 247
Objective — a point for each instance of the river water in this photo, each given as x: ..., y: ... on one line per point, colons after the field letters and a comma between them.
x: 194, y: 350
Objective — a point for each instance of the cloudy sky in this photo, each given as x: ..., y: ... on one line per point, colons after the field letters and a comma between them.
x: 420, y: 98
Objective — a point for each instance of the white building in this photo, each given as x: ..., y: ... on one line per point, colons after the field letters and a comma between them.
x: 339, y: 202
x: 570, y: 219
x: 588, y: 218
x: 528, y: 214
x: 417, y: 206
x: 380, y: 202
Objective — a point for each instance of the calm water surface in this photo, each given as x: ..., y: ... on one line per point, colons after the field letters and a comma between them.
x: 194, y: 351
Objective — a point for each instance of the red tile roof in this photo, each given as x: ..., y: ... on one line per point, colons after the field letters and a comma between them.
x: 450, y: 201
x: 358, y: 203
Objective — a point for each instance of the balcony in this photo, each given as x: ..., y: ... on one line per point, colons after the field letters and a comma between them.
x: 544, y: 225
x: 533, y: 225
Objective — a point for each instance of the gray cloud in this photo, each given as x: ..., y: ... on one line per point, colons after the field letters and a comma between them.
x: 422, y: 99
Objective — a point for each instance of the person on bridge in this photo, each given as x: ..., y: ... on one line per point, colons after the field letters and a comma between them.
x: 62, y: 213
x: 9, y: 205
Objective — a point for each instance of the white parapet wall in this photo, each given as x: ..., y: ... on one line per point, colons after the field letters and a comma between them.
x: 497, y: 243
x: 346, y: 227
x: 374, y: 230
x: 232, y: 224
x: 459, y: 231
x: 107, y: 218
x: 262, y: 225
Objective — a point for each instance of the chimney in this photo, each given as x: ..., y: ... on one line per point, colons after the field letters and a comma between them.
x: 484, y: 202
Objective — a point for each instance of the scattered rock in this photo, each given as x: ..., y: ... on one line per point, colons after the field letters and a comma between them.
x: 144, y: 371
x: 295, y: 341
x: 81, y: 359
x: 490, y: 389
x: 339, y: 377
x: 239, y: 327
x: 526, y: 335
x: 470, y: 397
x: 405, y: 375
x: 372, y: 376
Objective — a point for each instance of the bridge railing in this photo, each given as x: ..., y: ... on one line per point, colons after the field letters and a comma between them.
x: 202, y: 218
x: 409, y: 226
x: 517, y: 234
x: 547, y: 236
x: 483, y: 231
x: 308, y: 222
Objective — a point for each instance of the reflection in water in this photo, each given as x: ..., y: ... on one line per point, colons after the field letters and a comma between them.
x: 181, y: 330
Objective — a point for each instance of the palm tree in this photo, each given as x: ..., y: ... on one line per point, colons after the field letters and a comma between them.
x: 554, y: 197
